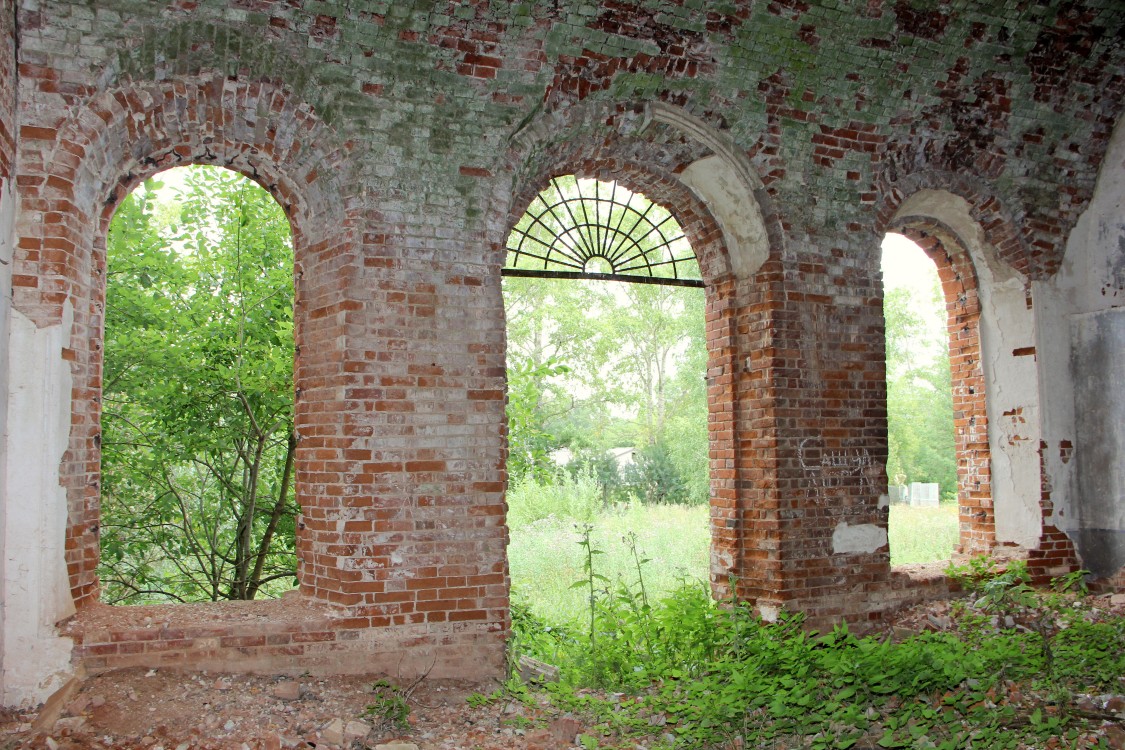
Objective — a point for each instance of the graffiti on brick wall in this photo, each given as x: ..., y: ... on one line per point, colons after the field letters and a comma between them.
x: 826, y: 470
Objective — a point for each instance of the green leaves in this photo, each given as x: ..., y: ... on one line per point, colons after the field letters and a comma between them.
x: 197, y: 496
x: 708, y: 672
x: 919, y: 389
x: 634, y: 357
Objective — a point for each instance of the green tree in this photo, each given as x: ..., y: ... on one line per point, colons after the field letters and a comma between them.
x: 634, y: 353
x: 198, y: 442
x: 634, y: 359
x: 919, y: 389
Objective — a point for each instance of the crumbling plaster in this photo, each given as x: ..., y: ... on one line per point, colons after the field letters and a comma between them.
x: 7, y: 244
x: 36, y: 590
x: 1080, y: 316
x: 395, y: 123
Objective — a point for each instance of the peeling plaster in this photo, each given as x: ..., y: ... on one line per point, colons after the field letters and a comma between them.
x: 769, y: 612
x: 1012, y: 384
x: 734, y: 208
x: 864, y: 537
x: 7, y: 250
x: 1076, y: 311
x: 36, y: 589
x: 1007, y: 340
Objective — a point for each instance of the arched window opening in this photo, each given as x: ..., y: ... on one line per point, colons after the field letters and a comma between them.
x: 197, y: 500
x: 922, y: 460
x: 607, y: 403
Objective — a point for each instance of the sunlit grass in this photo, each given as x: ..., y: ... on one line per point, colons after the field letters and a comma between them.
x: 920, y: 535
x: 546, y: 559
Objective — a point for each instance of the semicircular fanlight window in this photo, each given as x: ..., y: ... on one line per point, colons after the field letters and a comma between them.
x: 591, y: 229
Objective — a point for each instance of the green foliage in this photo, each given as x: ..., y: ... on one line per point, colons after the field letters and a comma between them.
x: 708, y: 672
x: 921, y: 534
x: 545, y: 559
x: 389, y: 706
x: 603, y: 467
x: 635, y: 356
x: 572, y: 497
x: 197, y: 449
x: 529, y: 442
x: 654, y: 477
x: 1005, y: 588
x: 919, y: 389
x: 480, y: 700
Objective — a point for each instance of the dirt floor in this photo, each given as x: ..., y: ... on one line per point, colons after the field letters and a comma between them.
x: 174, y: 710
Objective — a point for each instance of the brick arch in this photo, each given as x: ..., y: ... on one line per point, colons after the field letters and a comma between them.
x: 605, y: 136
x: 959, y: 286
x: 612, y: 142
x: 73, y: 178
x: 989, y: 209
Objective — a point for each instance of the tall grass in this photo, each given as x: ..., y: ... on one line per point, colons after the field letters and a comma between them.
x: 920, y: 535
x: 546, y: 558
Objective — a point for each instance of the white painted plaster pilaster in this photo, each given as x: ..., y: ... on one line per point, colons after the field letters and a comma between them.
x: 36, y: 590
x: 7, y: 248
x: 1012, y: 387
x: 1088, y: 289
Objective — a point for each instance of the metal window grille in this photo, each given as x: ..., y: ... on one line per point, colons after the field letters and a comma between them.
x: 590, y: 229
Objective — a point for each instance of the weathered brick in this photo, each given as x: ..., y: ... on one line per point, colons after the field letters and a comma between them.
x: 394, y: 143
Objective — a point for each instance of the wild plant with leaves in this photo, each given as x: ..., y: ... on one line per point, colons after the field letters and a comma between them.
x: 198, y: 444
x: 687, y: 672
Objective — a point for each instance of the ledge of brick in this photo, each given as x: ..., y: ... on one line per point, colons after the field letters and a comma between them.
x: 282, y: 636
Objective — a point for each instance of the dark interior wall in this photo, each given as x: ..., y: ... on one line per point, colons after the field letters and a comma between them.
x: 1098, y: 359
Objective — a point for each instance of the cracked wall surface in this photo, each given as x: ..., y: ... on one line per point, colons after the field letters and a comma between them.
x: 404, y: 138
x: 1080, y: 333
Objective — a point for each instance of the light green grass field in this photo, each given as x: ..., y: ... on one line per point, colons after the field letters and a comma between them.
x: 919, y: 535
x: 546, y: 559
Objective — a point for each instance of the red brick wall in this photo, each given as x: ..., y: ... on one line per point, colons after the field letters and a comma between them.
x: 1056, y: 554
x: 7, y: 87
x: 797, y: 444
x: 398, y: 532
x: 744, y: 524
x: 403, y: 144
x: 291, y: 635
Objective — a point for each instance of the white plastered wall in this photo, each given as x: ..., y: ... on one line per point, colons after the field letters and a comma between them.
x: 7, y: 247
x: 1007, y: 338
x: 35, y: 382
x: 732, y: 203
x: 1081, y: 326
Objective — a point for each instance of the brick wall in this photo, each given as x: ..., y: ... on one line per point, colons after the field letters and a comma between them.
x: 293, y: 635
x: 7, y: 87
x: 402, y: 140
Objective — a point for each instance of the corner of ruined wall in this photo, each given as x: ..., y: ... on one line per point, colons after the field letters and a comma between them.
x: 1080, y: 317
x: 35, y: 383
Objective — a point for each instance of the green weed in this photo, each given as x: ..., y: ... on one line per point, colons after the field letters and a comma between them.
x: 712, y: 674
x: 389, y: 706
x: 546, y: 559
